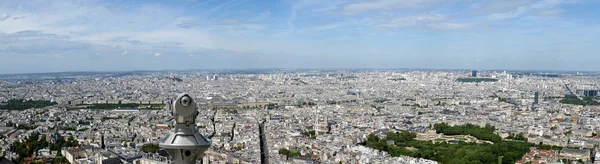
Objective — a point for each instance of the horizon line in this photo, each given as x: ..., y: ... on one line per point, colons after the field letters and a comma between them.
x: 213, y: 69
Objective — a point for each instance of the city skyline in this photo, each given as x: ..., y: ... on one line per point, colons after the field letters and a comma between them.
x: 298, y: 70
x: 66, y: 36
x: 328, y: 116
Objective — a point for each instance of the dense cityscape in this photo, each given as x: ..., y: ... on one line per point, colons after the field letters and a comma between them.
x: 299, y: 81
x: 309, y: 116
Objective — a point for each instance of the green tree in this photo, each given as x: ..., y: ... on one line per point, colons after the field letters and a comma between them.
x: 288, y: 153
x: 20, y: 104
x: 150, y: 148
x: 443, y: 152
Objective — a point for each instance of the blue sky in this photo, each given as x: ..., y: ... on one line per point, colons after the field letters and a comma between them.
x: 54, y: 36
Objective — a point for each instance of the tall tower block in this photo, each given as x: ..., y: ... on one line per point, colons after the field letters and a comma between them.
x: 536, y: 98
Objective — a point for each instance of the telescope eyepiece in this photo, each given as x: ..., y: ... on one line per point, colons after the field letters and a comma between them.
x: 186, y: 100
x: 184, y: 106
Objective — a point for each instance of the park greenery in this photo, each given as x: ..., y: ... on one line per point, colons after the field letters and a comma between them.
x: 67, y: 128
x: 307, y: 104
x: 397, y: 79
x: 485, y: 133
x: 404, y: 144
x: 125, y: 106
x: 33, y: 143
x: 150, y: 148
x: 238, y: 147
x: 311, y: 134
x: 111, y: 118
x: 331, y: 102
x: 289, y: 154
x: 585, y: 101
x: 519, y: 136
x: 501, y: 99
x: 20, y: 126
x: 381, y: 100
x: 476, y: 80
x: 272, y: 106
x: 82, y: 122
x: 25, y: 127
x: 20, y: 104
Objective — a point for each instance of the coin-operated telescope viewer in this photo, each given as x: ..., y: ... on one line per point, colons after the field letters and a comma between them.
x: 184, y: 143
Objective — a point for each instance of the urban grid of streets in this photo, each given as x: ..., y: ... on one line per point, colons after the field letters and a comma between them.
x: 349, y: 101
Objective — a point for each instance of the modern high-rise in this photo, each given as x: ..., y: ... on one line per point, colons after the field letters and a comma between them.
x: 473, y: 73
x: 536, y: 98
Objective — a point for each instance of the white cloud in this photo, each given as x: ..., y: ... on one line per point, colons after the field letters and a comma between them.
x: 449, y: 26
x: 486, y: 7
x: 21, y: 17
x: 549, y: 3
x: 510, y: 14
x: 187, y: 23
x: 411, y: 20
x: 551, y: 12
x: 299, y: 6
x: 254, y: 27
x: 4, y: 17
x: 124, y: 53
x: 524, y: 9
x: 22, y: 43
x: 430, y: 21
x: 157, y: 54
x: 229, y: 22
x: 260, y: 17
x: 377, y: 5
x: 219, y: 7
x: 332, y: 26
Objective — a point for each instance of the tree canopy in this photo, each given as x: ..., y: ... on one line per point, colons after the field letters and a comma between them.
x: 519, y: 136
x: 20, y: 104
x: 571, y: 99
x: 485, y: 133
x: 476, y: 80
x: 289, y: 153
x: 404, y: 144
x: 34, y: 142
x: 150, y: 148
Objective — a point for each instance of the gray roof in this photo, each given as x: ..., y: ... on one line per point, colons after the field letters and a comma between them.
x: 575, y: 151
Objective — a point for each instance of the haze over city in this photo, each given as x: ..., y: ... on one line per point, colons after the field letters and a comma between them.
x: 73, y: 35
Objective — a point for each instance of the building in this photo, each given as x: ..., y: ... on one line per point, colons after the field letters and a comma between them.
x: 44, y: 152
x: 162, y: 126
x: 575, y: 154
x: 113, y: 160
x: 473, y: 73
x: 587, y: 92
x: 149, y: 161
x: 74, y: 154
x: 590, y: 93
x: 536, y: 98
x: 276, y: 117
x: 353, y: 92
x: 536, y: 156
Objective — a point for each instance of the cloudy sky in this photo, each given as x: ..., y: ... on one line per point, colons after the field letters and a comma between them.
x: 54, y: 36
